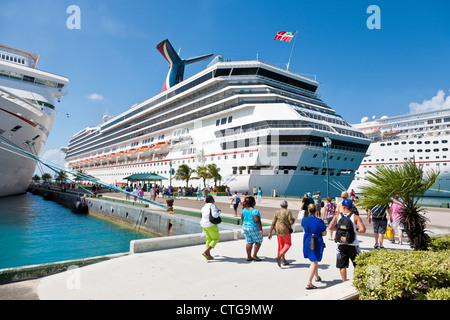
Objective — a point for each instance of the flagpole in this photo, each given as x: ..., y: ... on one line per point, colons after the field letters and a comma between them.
x: 289, y: 62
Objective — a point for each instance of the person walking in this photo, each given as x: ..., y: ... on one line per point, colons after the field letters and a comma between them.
x: 252, y: 228
x: 235, y: 201
x: 282, y: 223
x: 317, y: 198
x: 211, y: 230
x: 313, y: 227
x: 306, y: 201
x: 346, y: 238
x: 378, y: 214
x: 329, y: 214
x: 396, y: 218
x: 259, y: 195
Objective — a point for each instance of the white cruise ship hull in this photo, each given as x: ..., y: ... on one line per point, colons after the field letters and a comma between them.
x: 27, y: 114
x: 16, y: 168
x: 424, y: 137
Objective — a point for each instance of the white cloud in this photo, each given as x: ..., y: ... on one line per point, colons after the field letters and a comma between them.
x: 95, y: 97
x: 436, y: 103
x: 54, y: 157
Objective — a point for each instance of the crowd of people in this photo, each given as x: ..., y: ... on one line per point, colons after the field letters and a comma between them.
x: 340, y: 221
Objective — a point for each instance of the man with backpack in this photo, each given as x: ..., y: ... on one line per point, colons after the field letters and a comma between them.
x: 346, y: 224
x: 377, y: 214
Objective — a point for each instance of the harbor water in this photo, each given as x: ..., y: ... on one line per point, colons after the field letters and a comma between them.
x: 35, y: 231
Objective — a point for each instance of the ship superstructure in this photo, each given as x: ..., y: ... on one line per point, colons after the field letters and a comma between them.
x: 423, y: 137
x: 27, y: 113
x: 262, y: 126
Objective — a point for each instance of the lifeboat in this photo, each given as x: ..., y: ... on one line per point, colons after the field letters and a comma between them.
x: 392, y: 133
x: 372, y: 133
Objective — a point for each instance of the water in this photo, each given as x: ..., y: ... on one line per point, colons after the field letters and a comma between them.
x: 434, y: 200
x: 36, y: 231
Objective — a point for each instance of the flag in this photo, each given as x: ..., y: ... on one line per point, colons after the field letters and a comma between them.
x: 285, y: 36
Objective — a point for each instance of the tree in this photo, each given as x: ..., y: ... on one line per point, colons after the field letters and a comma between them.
x: 184, y: 172
x: 36, y: 178
x: 46, y: 177
x: 410, y: 182
x: 214, y: 173
x: 203, y: 173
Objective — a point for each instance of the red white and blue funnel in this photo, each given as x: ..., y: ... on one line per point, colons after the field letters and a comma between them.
x: 176, y: 65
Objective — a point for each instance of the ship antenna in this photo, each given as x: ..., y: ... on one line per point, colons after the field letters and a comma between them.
x: 289, y: 62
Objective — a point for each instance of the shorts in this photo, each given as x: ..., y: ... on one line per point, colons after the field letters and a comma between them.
x: 235, y: 206
x: 379, y: 226
x: 252, y: 235
x: 396, y: 225
x: 344, y: 253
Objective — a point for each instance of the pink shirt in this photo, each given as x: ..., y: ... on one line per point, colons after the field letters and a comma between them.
x: 396, y: 209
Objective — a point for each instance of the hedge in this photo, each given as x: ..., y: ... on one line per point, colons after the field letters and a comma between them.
x: 408, y: 275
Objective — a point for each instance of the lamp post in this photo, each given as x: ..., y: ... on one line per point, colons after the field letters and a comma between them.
x: 170, y: 172
x: 327, y: 146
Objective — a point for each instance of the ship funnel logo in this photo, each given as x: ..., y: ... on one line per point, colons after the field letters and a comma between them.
x: 176, y: 64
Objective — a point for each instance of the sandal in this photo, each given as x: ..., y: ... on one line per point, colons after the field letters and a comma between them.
x: 257, y: 259
x: 310, y: 287
x: 279, y: 261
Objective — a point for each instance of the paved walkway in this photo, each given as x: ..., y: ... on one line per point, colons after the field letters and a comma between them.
x: 184, y: 274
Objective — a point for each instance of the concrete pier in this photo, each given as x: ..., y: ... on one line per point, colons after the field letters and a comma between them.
x: 173, y: 268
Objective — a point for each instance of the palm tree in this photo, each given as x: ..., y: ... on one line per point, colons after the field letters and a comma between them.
x: 214, y: 173
x: 203, y: 173
x: 185, y: 172
x: 410, y: 182
x: 36, y: 178
x: 46, y: 177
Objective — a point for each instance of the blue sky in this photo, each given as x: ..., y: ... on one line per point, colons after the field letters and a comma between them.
x: 112, y: 62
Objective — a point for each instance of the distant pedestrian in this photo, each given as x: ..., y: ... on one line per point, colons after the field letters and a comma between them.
x: 235, y: 201
x: 282, y: 223
x: 259, y: 195
x: 255, y: 192
x: 211, y: 230
x: 378, y: 214
x: 317, y: 198
x: 252, y: 229
x: 127, y: 194
x: 306, y: 201
x: 329, y: 212
x: 199, y: 192
x: 396, y: 218
x: 314, y: 227
x: 346, y: 225
x: 340, y: 209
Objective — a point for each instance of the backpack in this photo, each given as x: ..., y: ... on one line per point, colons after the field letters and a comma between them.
x: 345, y: 233
x: 379, y: 212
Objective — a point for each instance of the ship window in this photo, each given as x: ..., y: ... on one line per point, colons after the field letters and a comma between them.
x: 284, y: 154
x: 403, y: 142
x: 411, y: 142
x: 230, y: 119
x: 383, y: 144
x: 427, y: 142
x: 435, y: 142
x: 444, y: 149
x: 16, y: 128
x: 436, y: 150
x: 419, y: 150
x: 419, y: 142
x: 411, y: 150
x: 217, y: 122
x: 444, y: 141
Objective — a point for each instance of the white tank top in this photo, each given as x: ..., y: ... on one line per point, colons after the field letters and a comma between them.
x: 352, y: 219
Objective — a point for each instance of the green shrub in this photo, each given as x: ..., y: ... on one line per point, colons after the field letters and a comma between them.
x: 391, y: 275
x: 439, y: 243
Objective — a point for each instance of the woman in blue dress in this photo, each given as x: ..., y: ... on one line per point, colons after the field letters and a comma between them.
x: 312, y: 225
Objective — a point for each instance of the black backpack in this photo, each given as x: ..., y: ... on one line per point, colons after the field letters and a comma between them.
x: 345, y: 233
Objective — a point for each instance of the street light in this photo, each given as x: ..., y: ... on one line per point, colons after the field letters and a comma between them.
x: 327, y: 146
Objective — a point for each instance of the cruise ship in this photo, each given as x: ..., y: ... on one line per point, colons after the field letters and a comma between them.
x: 261, y: 125
x: 27, y: 113
x: 424, y: 137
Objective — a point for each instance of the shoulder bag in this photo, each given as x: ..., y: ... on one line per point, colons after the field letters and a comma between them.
x: 289, y: 228
x: 212, y: 219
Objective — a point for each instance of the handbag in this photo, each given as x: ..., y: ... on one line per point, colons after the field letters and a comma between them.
x: 312, y: 240
x: 212, y: 219
x: 389, y: 234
